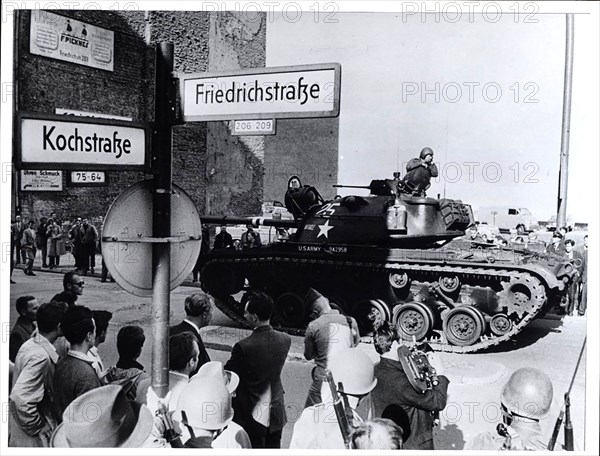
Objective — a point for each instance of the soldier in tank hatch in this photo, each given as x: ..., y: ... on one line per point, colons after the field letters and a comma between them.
x: 419, y: 172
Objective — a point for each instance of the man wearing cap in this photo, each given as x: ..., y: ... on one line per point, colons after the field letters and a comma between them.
x: 328, y: 333
x: 32, y: 417
x: 419, y: 172
x: 557, y: 246
x: 317, y: 427
x: 258, y: 360
x: 103, y: 418
x: 393, y: 387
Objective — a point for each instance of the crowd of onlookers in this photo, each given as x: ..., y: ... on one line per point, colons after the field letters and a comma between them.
x: 561, y: 246
x: 53, y: 239
x: 58, y: 375
x: 64, y: 395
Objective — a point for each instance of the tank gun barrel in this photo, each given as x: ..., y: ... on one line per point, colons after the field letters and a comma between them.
x: 368, y: 187
x: 254, y: 221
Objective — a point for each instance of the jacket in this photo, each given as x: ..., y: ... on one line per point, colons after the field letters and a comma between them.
x: 32, y: 395
x: 73, y: 377
x: 393, y: 387
x: 135, y: 382
x: 28, y: 239
x: 258, y: 360
x: 185, y: 326
x: 20, y: 334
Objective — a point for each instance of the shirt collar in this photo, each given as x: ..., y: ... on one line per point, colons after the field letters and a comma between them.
x: 193, y: 325
x: 80, y: 356
x: 46, y: 345
x: 179, y: 374
x: 262, y: 328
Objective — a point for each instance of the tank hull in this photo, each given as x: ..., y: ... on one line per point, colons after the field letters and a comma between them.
x: 456, y: 299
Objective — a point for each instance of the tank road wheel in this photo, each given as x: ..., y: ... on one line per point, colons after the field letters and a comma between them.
x: 500, y: 324
x: 449, y: 283
x: 289, y: 310
x: 399, y: 280
x: 463, y: 325
x: 521, y: 295
x: 413, y: 319
x: 370, y: 314
x: 221, y: 280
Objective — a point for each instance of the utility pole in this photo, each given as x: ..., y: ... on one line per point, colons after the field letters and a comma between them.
x: 563, y: 174
x: 162, y: 151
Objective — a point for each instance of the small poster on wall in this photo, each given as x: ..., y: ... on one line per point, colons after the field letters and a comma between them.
x: 35, y: 180
x: 63, y: 38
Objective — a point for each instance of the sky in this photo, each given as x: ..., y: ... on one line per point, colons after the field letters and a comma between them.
x: 484, y: 92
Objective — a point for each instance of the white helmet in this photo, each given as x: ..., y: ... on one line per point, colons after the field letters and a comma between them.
x: 354, y: 369
x: 528, y: 393
x: 204, y: 403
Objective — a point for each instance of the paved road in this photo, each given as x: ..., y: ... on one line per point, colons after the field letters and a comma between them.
x: 476, y: 379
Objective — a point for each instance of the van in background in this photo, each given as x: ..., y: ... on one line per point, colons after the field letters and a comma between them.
x: 508, y: 218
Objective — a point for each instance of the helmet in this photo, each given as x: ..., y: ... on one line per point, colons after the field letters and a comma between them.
x: 425, y: 152
x: 528, y: 393
x: 206, y: 404
x: 354, y: 369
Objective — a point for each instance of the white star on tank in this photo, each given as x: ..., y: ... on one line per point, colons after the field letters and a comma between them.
x: 324, y: 229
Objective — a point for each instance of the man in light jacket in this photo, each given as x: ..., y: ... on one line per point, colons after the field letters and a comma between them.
x: 32, y: 420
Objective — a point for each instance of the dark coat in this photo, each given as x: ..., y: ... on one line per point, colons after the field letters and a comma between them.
x: 223, y: 240
x: 258, y: 360
x: 393, y: 387
x: 66, y: 296
x: 184, y: 326
x: 20, y: 334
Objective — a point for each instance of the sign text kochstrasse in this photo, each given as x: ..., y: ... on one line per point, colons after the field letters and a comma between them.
x: 75, y: 142
x: 288, y: 92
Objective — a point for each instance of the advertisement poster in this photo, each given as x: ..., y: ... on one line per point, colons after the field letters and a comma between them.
x: 61, y: 38
x: 33, y: 180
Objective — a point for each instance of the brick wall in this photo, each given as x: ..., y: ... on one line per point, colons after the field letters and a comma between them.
x: 203, y: 41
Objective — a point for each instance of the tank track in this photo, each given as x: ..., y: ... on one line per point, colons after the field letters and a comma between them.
x: 496, y: 275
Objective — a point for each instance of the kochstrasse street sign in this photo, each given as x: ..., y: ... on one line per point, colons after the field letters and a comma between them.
x: 58, y: 142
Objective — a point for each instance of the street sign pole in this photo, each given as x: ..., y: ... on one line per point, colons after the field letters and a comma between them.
x: 161, y: 216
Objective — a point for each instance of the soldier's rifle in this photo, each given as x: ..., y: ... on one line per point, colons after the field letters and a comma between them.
x: 565, y: 412
x: 343, y: 412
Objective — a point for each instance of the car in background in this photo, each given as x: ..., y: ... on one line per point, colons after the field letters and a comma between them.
x: 489, y: 233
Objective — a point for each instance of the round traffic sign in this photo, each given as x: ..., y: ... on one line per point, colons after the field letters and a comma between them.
x: 127, y: 243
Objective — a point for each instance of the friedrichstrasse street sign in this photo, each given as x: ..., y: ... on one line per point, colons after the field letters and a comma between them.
x: 51, y: 141
x: 262, y: 93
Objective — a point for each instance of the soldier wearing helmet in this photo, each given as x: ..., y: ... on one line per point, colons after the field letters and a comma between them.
x: 525, y: 400
x: 419, y: 172
x: 317, y: 427
x: 204, y: 408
